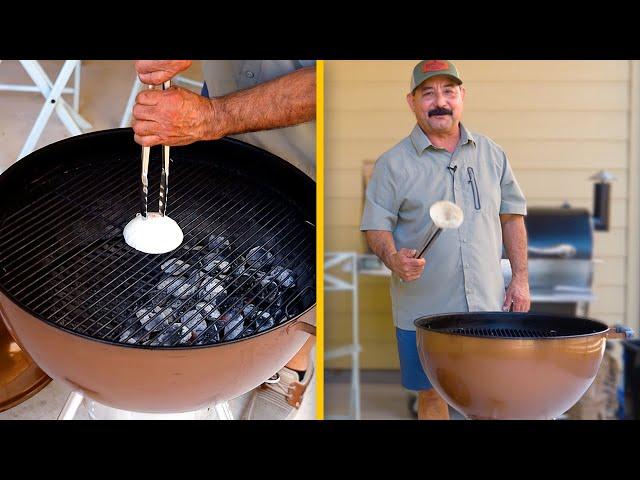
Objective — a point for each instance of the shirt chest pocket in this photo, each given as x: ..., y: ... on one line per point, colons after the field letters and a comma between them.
x: 482, y: 190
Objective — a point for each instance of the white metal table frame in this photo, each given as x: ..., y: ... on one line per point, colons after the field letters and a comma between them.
x: 52, y: 92
x: 348, y: 263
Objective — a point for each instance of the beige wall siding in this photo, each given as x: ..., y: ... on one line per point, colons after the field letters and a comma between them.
x: 559, y: 122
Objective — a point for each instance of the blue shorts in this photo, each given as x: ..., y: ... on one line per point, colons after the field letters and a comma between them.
x: 413, y: 376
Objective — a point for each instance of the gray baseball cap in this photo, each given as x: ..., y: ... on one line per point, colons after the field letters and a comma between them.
x: 430, y: 68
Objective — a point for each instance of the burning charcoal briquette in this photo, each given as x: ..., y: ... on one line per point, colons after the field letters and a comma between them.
x: 218, y: 243
x: 210, y: 289
x: 259, y: 320
x: 205, y: 308
x: 126, y: 336
x: 265, y: 321
x: 197, y: 330
x: 192, y: 322
x: 179, y: 287
x: 213, y: 263
x: 190, y: 335
x: 237, y: 268
x: 248, y: 310
x: 169, y: 336
x: 267, y: 290
x: 233, y: 322
x: 211, y: 335
x: 156, y: 319
x: 282, y: 276
x: 209, y: 312
x: 174, y: 267
x: 259, y: 258
x: 191, y: 319
x: 279, y: 315
x: 233, y: 329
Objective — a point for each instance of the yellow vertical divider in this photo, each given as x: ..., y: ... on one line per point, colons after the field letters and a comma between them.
x: 320, y: 239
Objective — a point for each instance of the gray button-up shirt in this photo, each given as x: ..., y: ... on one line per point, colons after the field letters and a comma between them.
x: 462, y: 271
x: 296, y: 144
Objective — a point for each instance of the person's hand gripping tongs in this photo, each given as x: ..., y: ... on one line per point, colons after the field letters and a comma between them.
x: 154, y: 232
x: 444, y: 215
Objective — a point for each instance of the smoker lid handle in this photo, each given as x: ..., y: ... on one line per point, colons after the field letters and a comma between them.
x: 563, y: 250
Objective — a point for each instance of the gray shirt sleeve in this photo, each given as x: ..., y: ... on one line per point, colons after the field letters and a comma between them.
x: 381, y: 200
x: 512, y: 199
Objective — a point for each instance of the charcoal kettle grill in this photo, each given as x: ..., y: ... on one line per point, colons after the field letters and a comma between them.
x: 165, y: 333
x: 510, y: 366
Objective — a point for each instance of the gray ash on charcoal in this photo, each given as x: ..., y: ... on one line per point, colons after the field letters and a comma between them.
x: 258, y: 258
x: 218, y: 291
x: 282, y: 276
x: 218, y: 244
x: 232, y: 320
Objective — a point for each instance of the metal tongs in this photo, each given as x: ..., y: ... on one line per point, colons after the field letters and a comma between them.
x: 164, y: 178
x: 444, y: 215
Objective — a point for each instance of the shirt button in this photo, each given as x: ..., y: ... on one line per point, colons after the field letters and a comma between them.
x: 250, y: 74
x: 464, y: 240
x: 466, y: 265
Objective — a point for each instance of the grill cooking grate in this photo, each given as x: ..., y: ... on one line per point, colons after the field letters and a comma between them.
x: 503, y: 332
x: 247, y: 262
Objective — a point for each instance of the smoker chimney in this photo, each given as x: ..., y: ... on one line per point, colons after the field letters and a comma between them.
x: 602, y: 199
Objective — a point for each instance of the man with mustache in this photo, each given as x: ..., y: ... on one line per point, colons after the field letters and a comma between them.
x: 442, y: 160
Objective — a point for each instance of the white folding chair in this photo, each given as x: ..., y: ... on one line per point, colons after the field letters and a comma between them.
x: 137, y: 86
x: 75, y: 90
x: 52, y: 92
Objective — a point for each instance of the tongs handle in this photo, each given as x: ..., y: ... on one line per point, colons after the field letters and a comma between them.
x: 144, y: 178
x: 432, y: 235
x: 144, y: 174
x: 164, y: 178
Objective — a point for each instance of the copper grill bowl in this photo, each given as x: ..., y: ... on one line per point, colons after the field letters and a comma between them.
x: 502, y: 377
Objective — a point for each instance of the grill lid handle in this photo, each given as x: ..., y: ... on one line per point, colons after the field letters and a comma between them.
x: 562, y: 250
x: 619, y: 332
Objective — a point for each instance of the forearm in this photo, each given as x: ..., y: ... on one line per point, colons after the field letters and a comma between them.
x: 282, y: 102
x: 382, y: 244
x: 514, y: 236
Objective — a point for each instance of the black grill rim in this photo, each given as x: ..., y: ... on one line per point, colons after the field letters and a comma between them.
x: 441, y: 323
x: 19, y: 166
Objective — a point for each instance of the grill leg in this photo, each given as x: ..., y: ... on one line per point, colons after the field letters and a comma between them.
x: 74, y: 400
x: 223, y: 411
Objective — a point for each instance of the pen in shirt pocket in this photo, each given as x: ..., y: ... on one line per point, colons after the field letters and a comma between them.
x: 474, y: 187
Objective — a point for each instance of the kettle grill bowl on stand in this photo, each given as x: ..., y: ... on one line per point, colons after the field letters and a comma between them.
x: 498, y: 365
x: 72, y: 292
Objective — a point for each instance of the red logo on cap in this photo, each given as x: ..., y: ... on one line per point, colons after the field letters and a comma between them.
x: 434, y: 66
